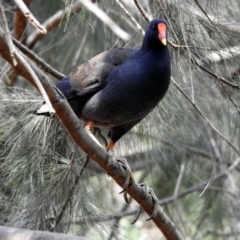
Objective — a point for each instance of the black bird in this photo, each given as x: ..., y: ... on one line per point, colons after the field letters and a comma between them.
x: 118, y: 88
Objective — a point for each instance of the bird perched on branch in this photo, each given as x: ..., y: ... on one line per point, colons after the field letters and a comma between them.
x: 118, y: 88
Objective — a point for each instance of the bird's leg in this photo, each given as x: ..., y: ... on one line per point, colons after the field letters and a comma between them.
x: 129, y: 179
x: 89, y: 128
x: 147, y: 191
x: 110, y: 146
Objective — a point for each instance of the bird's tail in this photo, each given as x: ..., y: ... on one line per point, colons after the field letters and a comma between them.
x: 43, y: 110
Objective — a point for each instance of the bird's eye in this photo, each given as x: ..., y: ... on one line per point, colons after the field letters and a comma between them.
x: 154, y: 27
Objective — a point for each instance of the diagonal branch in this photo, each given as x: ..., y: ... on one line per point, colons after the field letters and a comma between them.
x: 39, y: 61
x: 20, y: 23
x: 77, y: 132
x: 142, y: 11
x: 138, y: 26
x: 205, y: 118
x: 30, y: 17
x: 53, y: 22
x: 106, y: 19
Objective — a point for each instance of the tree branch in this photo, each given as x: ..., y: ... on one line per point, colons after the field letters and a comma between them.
x: 39, y: 61
x: 20, y: 23
x: 54, y: 21
x: 8, y: 35
x: 138, y: 26
x: 30, y: 17
x: 106, y: 19
x: 77, y: 132
x: 142, y: 11
x: 16, y: 55
x: 205, y: 118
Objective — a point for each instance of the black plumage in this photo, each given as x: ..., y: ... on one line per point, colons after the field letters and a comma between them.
x: 118, y: 88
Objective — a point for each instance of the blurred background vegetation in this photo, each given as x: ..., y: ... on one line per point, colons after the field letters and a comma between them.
x: 192, y: 167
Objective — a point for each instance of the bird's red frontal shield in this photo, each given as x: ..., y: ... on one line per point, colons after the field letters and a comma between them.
x: 162, y: 30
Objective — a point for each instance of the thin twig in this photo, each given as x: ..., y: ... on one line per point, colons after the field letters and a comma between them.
x: 221, y: 79
x: 214, y: 145
x: 230, y: 98
x: 123, y: 209
x: 222, y: 234
x: 209, y: 181
x: 204, y: 117
x: 39, y: 61
x: 30, y: 16
x: 106, y: 19
x: 53, y: 22
x: 138, y: 26
x: 20, y: 23
x: 16, y: 54
x: 142, y: 11
x: 37, y: 82
x: 179, y: 180
x: 175, y: 46
x: 70, y: 194
x: 80, y: 48
x: 163, y: 201
x: 214, y: 75
x: 219, y: 33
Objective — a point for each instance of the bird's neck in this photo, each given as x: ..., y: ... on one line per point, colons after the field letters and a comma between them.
x: 153, y: 46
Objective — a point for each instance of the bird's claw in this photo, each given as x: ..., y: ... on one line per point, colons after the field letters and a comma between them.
x: 89, y: 130
x: 129, y: 179
x: 123, y: 162
x: 148, y: 191
x: 156, y: 205
x: 137, y: 215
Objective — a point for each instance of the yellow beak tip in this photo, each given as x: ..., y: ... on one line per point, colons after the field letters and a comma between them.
x: 164, y: 41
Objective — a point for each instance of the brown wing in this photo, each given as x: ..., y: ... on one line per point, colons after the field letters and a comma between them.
x: 91, y: 76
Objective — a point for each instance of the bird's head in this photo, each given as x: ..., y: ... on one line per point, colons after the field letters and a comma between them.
x: 156, y: 33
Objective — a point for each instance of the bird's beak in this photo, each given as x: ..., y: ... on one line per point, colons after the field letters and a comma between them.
x: 162, y: 32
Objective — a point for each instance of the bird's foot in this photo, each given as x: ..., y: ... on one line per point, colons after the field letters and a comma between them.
x: 146, y: 192
x: 110, y: 146
x: 129, y: 178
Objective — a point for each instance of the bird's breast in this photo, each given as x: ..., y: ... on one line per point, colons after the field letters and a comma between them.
x: 131, y: 92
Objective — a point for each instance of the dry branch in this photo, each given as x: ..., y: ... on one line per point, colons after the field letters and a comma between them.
x: 205, y: 118
x: 106, y: 19
x: 53, y: 22
x: 7, y: 34
x: 20, y: 23
x: 30, y: 17
x: 142, y: 11
x: 39, y: 61
x: 16, y: 55
x: 138, y: 26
